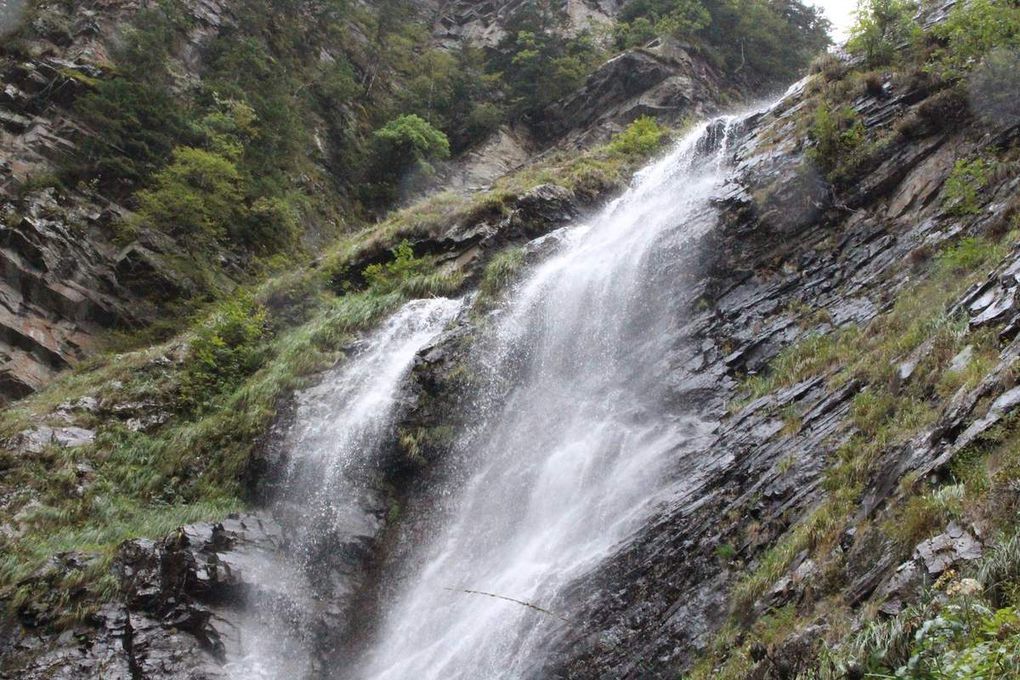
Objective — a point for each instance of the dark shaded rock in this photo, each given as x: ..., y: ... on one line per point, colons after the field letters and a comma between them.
x: 664, y: 81
x: 143, y: 272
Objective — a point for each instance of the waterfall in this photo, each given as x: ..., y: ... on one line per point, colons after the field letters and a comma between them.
x: 571, y: 442
x: 332, y: 448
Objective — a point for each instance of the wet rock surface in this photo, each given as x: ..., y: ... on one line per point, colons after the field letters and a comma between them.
x: 176, y: 614
x: 663, y: 81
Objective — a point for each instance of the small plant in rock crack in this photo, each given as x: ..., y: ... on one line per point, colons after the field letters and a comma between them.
x: 969, y: 177
x: 725, y: 552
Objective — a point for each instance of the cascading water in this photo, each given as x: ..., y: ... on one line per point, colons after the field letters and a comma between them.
x: 572, y: 439
x: 338, y: 429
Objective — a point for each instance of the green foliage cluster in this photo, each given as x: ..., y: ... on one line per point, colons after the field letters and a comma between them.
x: 641, y: 138
x: 962, y: 627
x: 973, y: 30
x: 886, y: 32
x: 198, y: 195
x: 404, y: 149
x: 536, y: 63
x: 964, y: 65
x: 225, y: 350
x: 836, y: 134
x: 391, y: 276
x: 960, y: 195
x: 136, y: 127
x: 646, y: 19
x: 760, y: 42
x: 882, y: 26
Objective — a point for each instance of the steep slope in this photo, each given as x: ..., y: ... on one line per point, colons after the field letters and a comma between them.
x: 79, y: 141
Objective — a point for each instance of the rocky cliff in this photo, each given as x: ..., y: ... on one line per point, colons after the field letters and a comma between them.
x: 71, y: 273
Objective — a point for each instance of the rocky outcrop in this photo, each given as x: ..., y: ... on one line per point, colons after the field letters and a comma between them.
x: 176, y: 614
x: 58, y: 287
x: 484, y: 23
x: 663, y: 80
x: 64, y: 279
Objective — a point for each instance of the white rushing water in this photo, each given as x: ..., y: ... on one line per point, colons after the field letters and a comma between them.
x: 571, y: 441
x: 338, y: 428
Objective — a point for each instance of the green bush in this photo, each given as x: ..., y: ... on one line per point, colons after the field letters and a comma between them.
x: 404, y: 266
x: 966, y: 639
x: 685, y: 18
x: 135, y: 127
x: 402, y: 154
x: 642, y: 137
x: 199, y: 194
x: 882, y: 25
x: 973, y: 29
x: 224, y: 351
x: 537, y: 62
x: 272, y: 225
x: 410, y: 139
x: 484, y: 119
x: 636, y: 33
x: 836, y: 133
x: 960, y: 196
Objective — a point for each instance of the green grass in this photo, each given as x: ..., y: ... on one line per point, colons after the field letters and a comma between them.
x: 193, y: 467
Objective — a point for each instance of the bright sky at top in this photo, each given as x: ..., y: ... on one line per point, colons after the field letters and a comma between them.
x: 841, y: 14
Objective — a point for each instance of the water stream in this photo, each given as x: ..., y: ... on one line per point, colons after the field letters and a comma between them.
x: 332, y: 451
x: 567, y: 453
x: 571, y: 439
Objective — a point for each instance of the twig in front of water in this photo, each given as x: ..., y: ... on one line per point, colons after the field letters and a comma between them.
x: 508, y: 599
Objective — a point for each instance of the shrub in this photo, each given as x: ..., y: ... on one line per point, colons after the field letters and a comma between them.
x: 836, y: 133
x: 975, y: 28
x: 685, y: 18
x: 537, y: 62
x: 410, y: 139
x: 135, y: 127
x: 225, y: 350
x: 199, y: 194
x: 403, y: 151
x: 641, y: 138
x: 484, y: 119
x: 881, y: 27
x: 636, y: 33
x: 272, y: 225
x: 392, y: 275
x: 960, y: 196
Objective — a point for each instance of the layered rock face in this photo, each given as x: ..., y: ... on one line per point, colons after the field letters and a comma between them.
x: 65, y: 278
x: 788, y: 262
